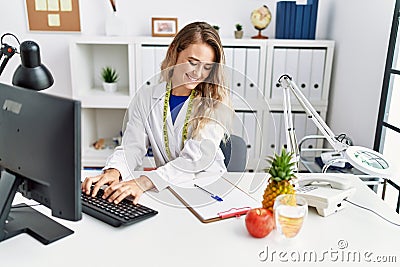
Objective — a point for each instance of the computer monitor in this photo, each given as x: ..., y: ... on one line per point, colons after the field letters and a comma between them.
x: 40, y: 157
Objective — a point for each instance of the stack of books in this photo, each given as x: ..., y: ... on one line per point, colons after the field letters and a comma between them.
x: 296, y: 21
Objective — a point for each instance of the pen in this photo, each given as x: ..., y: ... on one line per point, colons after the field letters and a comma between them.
x: 208, y: 192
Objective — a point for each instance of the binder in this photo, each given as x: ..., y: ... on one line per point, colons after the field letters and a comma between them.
x: 235, y: 202
x: 229, y: 66
x: 148, y: 62
x: 288, y: 10
x: 273, y: 137
x: 250, y: 125
x: 317, y: 74
x: 159, y: 56
x: 292, y: 19
x: 311, y: 129
x: 278, y: 68
x: 313, y: 19
x: 300, y: 122
x: 239, y: 62
x: 306, y: 22
x: 252, y: 67
x: 299, y: 22
x: 280, y: 19
x: 292, y: 66
x: 237, y: 124
x: 305, y: 68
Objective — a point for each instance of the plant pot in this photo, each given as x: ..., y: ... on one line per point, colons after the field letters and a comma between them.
x: 110, y: 87
x: 238, y: 34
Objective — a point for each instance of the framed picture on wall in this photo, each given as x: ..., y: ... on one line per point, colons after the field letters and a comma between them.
x: 164, y: 27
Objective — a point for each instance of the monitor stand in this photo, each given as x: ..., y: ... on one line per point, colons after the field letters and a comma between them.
x: 21, y: 218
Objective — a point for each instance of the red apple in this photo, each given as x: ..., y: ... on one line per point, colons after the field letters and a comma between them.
x: 259, y: 222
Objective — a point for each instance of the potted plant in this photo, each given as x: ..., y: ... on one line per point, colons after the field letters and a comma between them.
x: 216, y: 27
x: 110, y: 78
x: 239, y: 31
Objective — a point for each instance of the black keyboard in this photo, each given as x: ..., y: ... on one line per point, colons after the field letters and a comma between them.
x: 123, y: 213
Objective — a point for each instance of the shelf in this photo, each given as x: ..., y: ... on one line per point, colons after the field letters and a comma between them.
x: 95, y: 98
x: 92, y: 157
x: 253, y: 67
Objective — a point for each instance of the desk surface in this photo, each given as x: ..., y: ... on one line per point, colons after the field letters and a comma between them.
x: 175, y: 237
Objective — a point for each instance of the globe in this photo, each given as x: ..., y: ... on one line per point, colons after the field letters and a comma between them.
x: 260, y: 18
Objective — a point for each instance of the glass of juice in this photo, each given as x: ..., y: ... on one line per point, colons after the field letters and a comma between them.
x: 290, y: 212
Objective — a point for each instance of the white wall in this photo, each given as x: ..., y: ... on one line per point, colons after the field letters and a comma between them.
x: 360, y: 28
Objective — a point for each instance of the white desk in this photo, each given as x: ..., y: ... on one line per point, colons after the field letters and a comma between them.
x: 175, y: 237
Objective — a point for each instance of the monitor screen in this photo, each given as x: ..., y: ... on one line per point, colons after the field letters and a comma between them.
x: 39, y: 157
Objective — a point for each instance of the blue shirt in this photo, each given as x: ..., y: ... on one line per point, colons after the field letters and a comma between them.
x: 175, y: 105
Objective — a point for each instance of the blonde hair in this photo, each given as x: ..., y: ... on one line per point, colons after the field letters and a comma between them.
x: 212, y: 94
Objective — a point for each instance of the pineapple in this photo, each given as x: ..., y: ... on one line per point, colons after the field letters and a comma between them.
x: 281, y: 171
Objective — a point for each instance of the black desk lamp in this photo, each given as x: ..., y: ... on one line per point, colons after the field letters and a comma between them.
x: 31, y: 74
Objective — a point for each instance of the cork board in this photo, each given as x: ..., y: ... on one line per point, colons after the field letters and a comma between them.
x: 53, y: 15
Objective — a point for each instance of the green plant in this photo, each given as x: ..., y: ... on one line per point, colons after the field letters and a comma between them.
x: 109, y: 74
x: 239, y: 27
x: 216, y: 27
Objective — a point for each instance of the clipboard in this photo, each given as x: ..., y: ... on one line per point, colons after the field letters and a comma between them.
x: 235, y: 202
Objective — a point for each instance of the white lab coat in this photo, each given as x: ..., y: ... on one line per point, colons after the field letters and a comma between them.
x: 145, y: 127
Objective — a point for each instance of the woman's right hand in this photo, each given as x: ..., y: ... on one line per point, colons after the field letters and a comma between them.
x: 108, y: 177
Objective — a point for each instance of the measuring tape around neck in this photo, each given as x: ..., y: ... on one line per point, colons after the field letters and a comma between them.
x: 165, y: 112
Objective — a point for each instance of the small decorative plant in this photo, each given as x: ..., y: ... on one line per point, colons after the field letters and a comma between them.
x: 239, y: 31
x: 216, y: 27
x: 109, y: 74
x: 110, y: 78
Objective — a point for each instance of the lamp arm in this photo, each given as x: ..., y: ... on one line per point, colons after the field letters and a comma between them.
x: 290, y: 130
x: 287, y: 84
x: 7, y: 51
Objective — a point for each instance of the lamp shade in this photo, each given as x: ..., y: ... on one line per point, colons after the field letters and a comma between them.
x: 32, y: 74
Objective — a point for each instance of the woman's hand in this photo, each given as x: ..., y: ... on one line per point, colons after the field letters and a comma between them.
x: 108, y: 177
x: 116, y: 192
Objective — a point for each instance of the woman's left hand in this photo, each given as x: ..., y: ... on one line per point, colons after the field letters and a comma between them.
x: 135, y: 188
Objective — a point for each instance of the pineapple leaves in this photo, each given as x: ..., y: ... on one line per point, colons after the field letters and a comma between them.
x: 281, y: 166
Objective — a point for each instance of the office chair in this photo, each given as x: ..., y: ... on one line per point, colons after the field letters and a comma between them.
x: 235, y: 152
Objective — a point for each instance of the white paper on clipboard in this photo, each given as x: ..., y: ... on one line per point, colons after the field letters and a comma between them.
x: 235, y: 201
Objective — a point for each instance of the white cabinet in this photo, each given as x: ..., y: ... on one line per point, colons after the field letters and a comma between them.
x: 252, y: 67
x: 309, y: 63
x: 88, y: 58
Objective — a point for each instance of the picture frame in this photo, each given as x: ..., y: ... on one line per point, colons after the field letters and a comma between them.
x: 164, y: 27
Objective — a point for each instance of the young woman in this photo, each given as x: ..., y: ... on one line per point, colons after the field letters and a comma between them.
x: 183, y: 119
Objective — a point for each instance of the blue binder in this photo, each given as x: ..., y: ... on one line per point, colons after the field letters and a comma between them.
x: 288, y: 9
x: 306, y: 22
x: 299, y: 22
x: 313, y: 19
x: 292, y: 19
x: 280, y: 20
